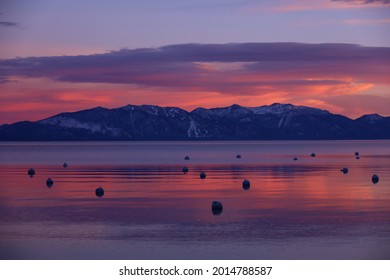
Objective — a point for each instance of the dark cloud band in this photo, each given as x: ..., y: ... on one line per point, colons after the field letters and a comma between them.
x: 201, y: 66
x: 8, y: 24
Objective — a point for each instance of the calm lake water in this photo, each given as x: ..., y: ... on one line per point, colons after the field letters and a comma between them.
x: 303, y: 209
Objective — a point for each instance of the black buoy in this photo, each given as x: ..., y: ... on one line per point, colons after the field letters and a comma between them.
x: 344, y: 170
x: 357, y: 153
x: 246, y: 185
x: 375, y: 178
x: 185, y: 169
x: 238, y: 156
x: 31, y: 172
x: 313, y: 155
x: 187, y: 158
x: 65, y: 165
x: 202, y: 175
x: 295, y: 158
x: 216, y: 207
x: 357, y: 157
x: 49, y: 182
x: 99, y: 192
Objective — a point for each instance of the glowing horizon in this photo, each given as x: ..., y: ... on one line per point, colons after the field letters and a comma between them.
x: 332, y: 55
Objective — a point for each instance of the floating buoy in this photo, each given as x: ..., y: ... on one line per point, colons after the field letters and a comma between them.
x: 99, y: 192
x: 49, y: 182
x: 65, y: 165
x: 202, y: 175
x: 216, y: 207
x: 185, y: 169
x: 375, y: 178
x: 356, y: 153
x: 246, y: 184
x: 295, y: 158
x: 238, y: 156
x: 344, y: 170
x: 187, y: 158
x: 31, y: 172
x: 357, y: 157
x: 313, y: 155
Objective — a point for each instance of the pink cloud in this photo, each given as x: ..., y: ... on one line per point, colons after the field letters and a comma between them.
x: 367, y: 21
x: 194, y: 75
x: 288, y: 6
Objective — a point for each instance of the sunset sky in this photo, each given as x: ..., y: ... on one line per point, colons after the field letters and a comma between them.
x: 60, y: 55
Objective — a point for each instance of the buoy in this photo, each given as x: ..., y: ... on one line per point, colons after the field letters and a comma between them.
x: 31, y: 172
x: 357, y: 157
x: 65, y: 165
x: 295, y: 158
x: 238, y: 156
x: 99, y: 192
x: 216, y: 207
x: 313, y: 155
x: 49, y: 182
x: 185, y: 169
x: 375, y: 178
x: 356, y: 153
x: 202, y: 175
x: 344, y: 170
x: 187, y: 158
x: 246, y: 184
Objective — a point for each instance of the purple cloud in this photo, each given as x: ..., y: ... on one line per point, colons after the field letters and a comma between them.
x: 384, y: 2
x: 8, y: 24
x: 201, y: 66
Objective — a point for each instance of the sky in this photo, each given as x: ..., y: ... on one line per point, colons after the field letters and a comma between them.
x: 64, y: 56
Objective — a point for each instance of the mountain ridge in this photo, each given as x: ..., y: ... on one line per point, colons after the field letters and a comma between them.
x: 151, y: 122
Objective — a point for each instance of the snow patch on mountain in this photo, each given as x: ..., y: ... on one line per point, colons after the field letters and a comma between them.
x: 73, y: 123
x: 192, y: 130
x: 150, y: 122
x: 280, y: 109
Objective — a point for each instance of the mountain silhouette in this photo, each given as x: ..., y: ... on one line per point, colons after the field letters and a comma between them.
x: 149, y: 122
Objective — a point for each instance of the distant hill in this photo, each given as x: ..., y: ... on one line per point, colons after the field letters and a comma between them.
x: 148, y: 122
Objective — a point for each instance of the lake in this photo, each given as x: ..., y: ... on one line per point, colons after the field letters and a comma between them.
x: 294, y: 209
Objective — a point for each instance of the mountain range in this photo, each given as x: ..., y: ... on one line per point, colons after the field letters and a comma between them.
x: 149, y: 122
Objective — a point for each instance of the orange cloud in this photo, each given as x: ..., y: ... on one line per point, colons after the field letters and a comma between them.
x: 191, y: 75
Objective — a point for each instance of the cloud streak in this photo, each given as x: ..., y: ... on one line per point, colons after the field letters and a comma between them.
x: 365, y: 2
x: 9, y: 24
x: 292, y: 6
x: 367, y: 21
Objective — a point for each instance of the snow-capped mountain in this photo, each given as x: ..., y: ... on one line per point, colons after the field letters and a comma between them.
x: 149, y: 122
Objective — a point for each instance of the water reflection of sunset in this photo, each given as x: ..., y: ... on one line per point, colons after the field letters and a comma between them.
x: 303, y: 209
x: 274, y: 190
